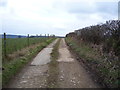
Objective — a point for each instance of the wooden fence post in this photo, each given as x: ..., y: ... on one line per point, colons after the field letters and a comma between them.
x: 45, y: 35
x: 48, y: 35
x: 28, y: 40
x: 5, y: 45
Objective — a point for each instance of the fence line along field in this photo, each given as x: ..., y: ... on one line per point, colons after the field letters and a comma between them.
x: 10, y: 45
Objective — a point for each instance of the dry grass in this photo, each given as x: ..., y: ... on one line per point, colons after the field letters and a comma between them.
x: 53, y: 67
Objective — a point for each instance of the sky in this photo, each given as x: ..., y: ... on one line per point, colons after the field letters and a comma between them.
x: 57, y: 17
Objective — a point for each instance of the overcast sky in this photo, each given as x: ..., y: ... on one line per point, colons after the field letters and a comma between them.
x: 57, y: 17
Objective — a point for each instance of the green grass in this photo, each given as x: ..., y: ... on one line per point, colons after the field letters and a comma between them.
x: 53, y: 67
x: 11, y: 68
x: 15, y: 44
x: 108, y: 71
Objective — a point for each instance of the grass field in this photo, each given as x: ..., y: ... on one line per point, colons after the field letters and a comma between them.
x: 15, y: 44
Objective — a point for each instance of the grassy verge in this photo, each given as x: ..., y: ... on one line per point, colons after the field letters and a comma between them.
x: 53, y: 67
x: 106, y: 70
x: 11, y: 68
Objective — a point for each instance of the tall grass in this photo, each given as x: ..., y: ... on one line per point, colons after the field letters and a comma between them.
x: 15, y: 44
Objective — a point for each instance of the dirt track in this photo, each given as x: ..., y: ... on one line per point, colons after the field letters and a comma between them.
x: 35, y: 74
x: 71, y: 73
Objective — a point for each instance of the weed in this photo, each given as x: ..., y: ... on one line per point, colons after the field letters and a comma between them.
x: 53, y: 67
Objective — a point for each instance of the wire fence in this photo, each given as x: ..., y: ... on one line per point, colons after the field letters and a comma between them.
x: 10, y: 45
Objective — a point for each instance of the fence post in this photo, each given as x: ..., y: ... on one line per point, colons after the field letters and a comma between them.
x: 45, y: 35
x: 36, y: 35
x: 5, y: 45
x: 28, y: 40
x: 48, y: 35
x: 40, y: 35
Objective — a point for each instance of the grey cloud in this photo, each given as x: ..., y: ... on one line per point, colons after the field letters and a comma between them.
x: 84, y: 7
x: 98, y: 7
x: 24, y: 28
x: 107, y: 7
x: 80, y: 7
x: 79, y: 11
x: 75, y: 7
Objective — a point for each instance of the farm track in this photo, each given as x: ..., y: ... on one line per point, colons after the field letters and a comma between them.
x: 34, y: 75
x: 71, y: 73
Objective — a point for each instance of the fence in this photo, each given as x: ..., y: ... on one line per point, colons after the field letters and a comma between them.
x: 10, y: 45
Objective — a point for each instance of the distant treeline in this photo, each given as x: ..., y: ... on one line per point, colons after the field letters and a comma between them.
x: 13, y: 36
x: 107, y: 35
x: 22, y: 36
